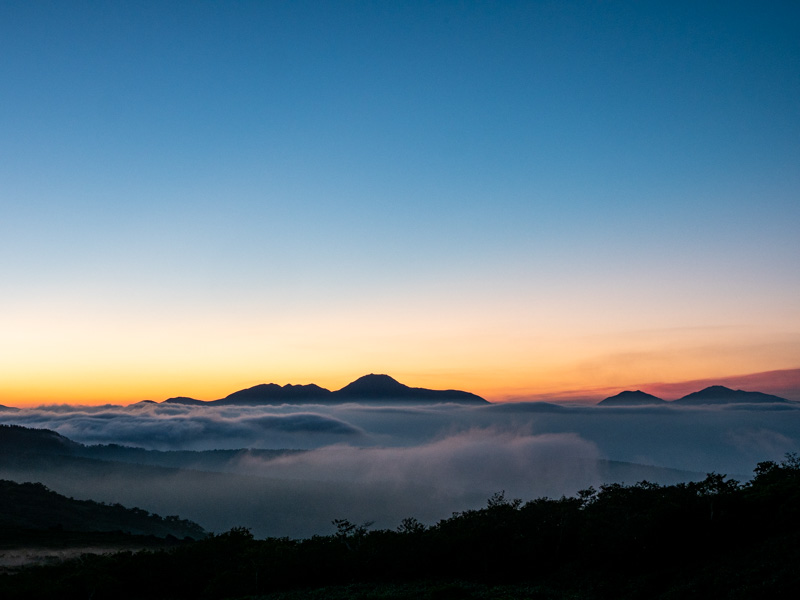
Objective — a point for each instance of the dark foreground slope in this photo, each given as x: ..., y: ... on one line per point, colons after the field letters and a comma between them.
x: 709, y: 539
x: 28, y: 507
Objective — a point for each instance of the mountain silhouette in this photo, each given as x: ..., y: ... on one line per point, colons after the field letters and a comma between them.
x: 718, y: 394
x: 268, y: 393
x: 24, y: 449
x: 182, y: 400
x: 383, y: 387
x: 372, y: 385
x: 369, y: 388
x: 32, y: 506
x: 629, y: 398
x: 16, y: 438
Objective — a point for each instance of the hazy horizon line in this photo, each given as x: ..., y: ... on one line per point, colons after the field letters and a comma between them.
x: 780, y: 382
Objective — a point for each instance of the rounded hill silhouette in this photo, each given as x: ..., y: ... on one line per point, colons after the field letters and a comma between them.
x: 628, y: 398
x: 719, y: 394
x: 382, y: 387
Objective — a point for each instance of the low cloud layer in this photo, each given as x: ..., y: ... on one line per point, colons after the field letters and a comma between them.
x: 382, y: 464
x: 180, y: 427
x: 479, y: 461
x: 728, y: 439
x: 300, y: 495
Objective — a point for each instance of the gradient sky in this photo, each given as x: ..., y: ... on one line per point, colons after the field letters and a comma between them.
x: 510, y: 198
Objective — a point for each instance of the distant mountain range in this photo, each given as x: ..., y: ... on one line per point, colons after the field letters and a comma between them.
x: 716, y: 394
x: 369, y: 388
x: 378, y: 389
x: 17, y: 440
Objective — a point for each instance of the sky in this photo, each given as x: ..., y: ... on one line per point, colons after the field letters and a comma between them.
x: 515, y: 199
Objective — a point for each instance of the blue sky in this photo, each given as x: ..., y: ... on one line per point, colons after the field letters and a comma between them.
x: 313, y: 191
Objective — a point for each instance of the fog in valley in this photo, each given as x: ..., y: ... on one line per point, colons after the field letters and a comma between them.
x: 380, y: 464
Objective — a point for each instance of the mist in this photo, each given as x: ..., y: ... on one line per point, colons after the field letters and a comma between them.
x: 729, y: 439
x: 478, y: 461
x: 381, y: 464
x: 300, y: 495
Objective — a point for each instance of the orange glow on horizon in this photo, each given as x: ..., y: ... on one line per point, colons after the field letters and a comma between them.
x: 123, y: 392
x: 88, y: 356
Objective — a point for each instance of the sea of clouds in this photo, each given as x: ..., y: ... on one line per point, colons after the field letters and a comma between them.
x: 383, y: 463
x: 729, y: 438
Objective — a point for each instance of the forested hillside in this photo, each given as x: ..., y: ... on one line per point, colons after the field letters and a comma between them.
x: 710, y: 539
x: 31, y: 506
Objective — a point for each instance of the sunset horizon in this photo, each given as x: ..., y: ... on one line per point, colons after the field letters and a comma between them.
x: 781, y: 382
x: 517, y: 199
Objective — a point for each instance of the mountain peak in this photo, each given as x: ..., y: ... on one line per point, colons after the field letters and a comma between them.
x: 369, y: 388
x: 719, y: 394
x: 272, y: 392
x: 629, y: 398
x: 373, y: 384
x: 717, y: 389
x: 374, y: 387
x: 180, y: 400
